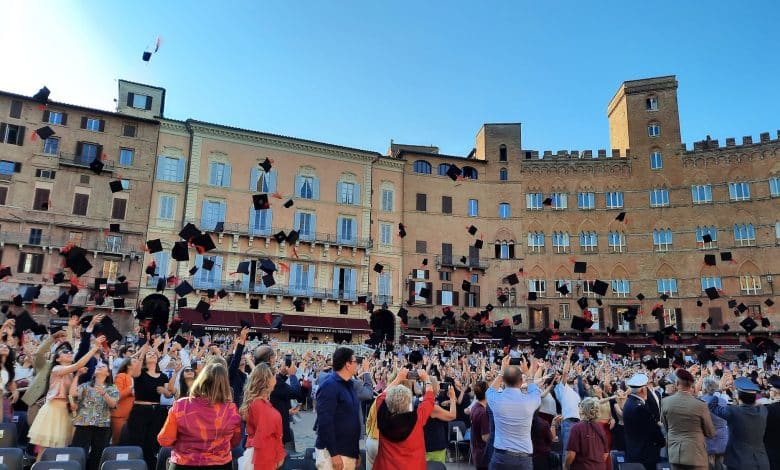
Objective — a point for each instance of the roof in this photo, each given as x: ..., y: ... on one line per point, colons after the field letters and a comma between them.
x: 82, y: 108
x: 142, y: 84
x: 438, y: 155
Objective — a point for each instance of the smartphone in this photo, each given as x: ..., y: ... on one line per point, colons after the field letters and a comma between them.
x: 515, y: 361
x: 288, y: 360
x: 359, y: 359
x: 445, y: 386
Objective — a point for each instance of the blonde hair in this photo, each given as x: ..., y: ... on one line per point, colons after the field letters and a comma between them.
x: 257, y: 386
x: 589, y: 408
x: 213, y: 383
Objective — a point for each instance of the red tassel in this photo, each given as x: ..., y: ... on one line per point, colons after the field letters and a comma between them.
x: 285, y: 268
x: 34, y: 136
x: 277, y: 195
x: 42, y: 107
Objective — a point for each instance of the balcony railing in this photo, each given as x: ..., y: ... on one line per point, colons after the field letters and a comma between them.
x: 70, y: 159
x: 453, y: 262
x: 383, y: 299
x: 268, y: 232
x: 100, y: 245
x: 238, y: 286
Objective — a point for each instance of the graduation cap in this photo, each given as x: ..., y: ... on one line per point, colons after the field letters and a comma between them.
x: 203, y: 308
x: 17, y: 300
x: 280, y: 236
x: 463, y: 259
x: 466, y: 286
x: 726, y: 256
x: 453, y: 172
x: 189, y: 231
x: 184, y: 289
x: 765, y: 322
x: 154, y: 246
x: 268, y: 266
x: 207, y: 264
x: 222, y: 293
x: 24, y: 322
x: 748, y: 324
x: 464, y: 316
x: 182, y: 302
x: 292, y: 237
x: 288, y: 204
x: 425, y: 292
x: 582, y: 302
x: 180, y: 251
x: 425, y: 262
x: 119, y: 302
x: 378, y: 268
x: 630, y: 314
x: 532, y: 296
x: 77, y: 261
x: 657, y: 310
x: 621, y: 349
x: 437, y: 322
x: 710, y: 260
x: 106, y: 328
x: 580, y: 267
x: 42, y: 96
x: 161, y: 282
x: 517, y: 319
x: 210, y: 293
x: 769, y: 302
x: 276, y: 323
x: 243, y: 267
x: 621, y: 217
x: 254, y: 303
x: 742, y: 307
x: 422, y: 318
x: 706, y: 238
x: 193, y: 270
x: 266, y: 165
x: 599, y: 287
x: 712, y: 293
x: 732, y: 303
x: 403, y: 314
x: 472, y: 230
x: 115, y: 185
x: 640, y: 297
x: 344, y: 309
x: 146, y: 56
x: 121, y: 289
x: 204, y: 241
x: 670, y: 330
x: 547, y: 202
x: 563, y: 289
x: 181, y: 340
x: 44, y: 132
x: 512, y: 279
x: 300, y: 305
x: 268, y: 280
x: 260, y: 201
x: 401, y: 230
x: 96, y: 166
x: 479, y: 244
x: 151, y: 269
x: 580, y: 324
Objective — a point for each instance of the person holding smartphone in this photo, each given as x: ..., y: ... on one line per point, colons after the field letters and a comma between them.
x: 287, y: 388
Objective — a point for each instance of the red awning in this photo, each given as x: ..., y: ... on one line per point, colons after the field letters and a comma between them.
x: 262, y: 321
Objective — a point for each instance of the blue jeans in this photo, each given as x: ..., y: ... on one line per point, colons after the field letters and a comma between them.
x: 501, y: 461
x: 566, y: 426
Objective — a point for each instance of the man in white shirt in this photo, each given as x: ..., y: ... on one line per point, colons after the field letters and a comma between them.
x: 569, y: 399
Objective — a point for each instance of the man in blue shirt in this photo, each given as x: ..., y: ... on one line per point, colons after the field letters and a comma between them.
x: 513, y: 412
x: 338, y: 416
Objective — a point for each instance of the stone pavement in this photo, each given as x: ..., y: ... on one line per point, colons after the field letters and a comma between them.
x: 305, y: 437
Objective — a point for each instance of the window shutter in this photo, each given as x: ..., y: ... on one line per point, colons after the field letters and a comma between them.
x: 148, y: 105
x: 159, y: 175
x: 45, y: 116
x: 339, y: 234
x: 269, y: 217
x: 17, y: 167
x: 245, y: 277
x: 678, y: 314
x: 252, y: 219
x: 205, y: 216
x: 180, y: 169
x: 357, y: 194
x: 353, y: 280
x: 438, y: 297
x: 130, y: 99
x: 83, y: 122
x: 20, y: 135
x: 99, y: 153
x: 253, y: 175
x: 336, y: 272
x: 272, y: 182
x: 311, y: 279
x: 338, y: 191
x: 297, y: 221
x: 217, y: 271
x: 64, y: 119
x: 102, y: 126
x: 429, y: 286
x: 79, y: 148
x: 498, y: 250
x: 298, y: 185
x: 2, y: 131
x: 38, y: 264
x: 226, y: 177
x: 354, y: 230
x: 222, y: 211
x: 313, y: 225
x: 455, y: 296
x: 22, y: 258
x: 511, y: 251
x: 16, y: 109
x: 316, y: 189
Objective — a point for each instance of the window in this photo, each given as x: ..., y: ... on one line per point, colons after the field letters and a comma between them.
x: 667, y: 286
x: 589, y: 242
x: 114, y: 243
x: 93, y: 124
x: 617, y: 241
x: 305, y: 187
x: 126, y: 156
x: 306, y: 223
x: 119, y: 208
x: 384, y: 289
x: 7, y: 168
x: 586, y: 200
x: 774, y: 186
x: 170, y: 169
x: 750, y: 284
x: 560, y: 241
x: 659, y: 198
x: 421, y: 166
x: 653, y: 129
x: 422, y: 202
x: 656, y: 161
x: 219, y: 174
x: 419, y: 286
x: 301, y: 278
x: 559, y: 286
x: 443, y: 169
x: 505, y: 250
x: 41, y: 200
x: 51, y: 146
x: 662, y: 239
x: 471, y: 298
x: 385, y: 234
x: 446, y: 205
x: 45, y: 174
x: 536, y: 241
x: 503, y: 210
x: 260, y: 221
x: 651, y: 103
x: 80, y: 204
x: 167, y: 207
x: 11, y: 134
x: 533, y: 201
x: 470, y: 173
x: 347, y: 193
x: 205, y: 278
x: 614, y: 200
x: 110, y: 270
x: 537, y: 285
x: 16, y: 109
x: 30, y: 263
x: 777, y: 230
x: 421, y: 246
x: 347, y: 230
x: 670, y: 317
x: 701, y: 193
x: 744, y: 234
x: 707, y: 282
x: 621, y: 287
x: 446, y: 296
x: 739, y: 191
x: 445, y: 276
x: 563, y: 312
x: 139, y: 101
x: 502, y: 153
x: 3, y: 195
x: 87, y: 153
x: 713, y: 234
x: 35, y: 236
x: 503, y: 174
x: 559, y: 201
x: 129, y: 130
x: 473, y: 208
x: 387, y: 200
x: 213, y: 212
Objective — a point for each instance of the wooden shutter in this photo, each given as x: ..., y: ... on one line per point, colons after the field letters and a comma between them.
x: 64, y: 119
x: 3, y: 195
x: 79, y: 149
x: 446, y: 204
x: 83, y: 122
x: 3, y: 127
x: 46, y: 114
x: 678, y: 314
x: 421, y: 202
x: 455, y: 298
x: 20, y: 135
x: 16, y: 109
x: 438, y: 297
x: 511, y: 251
x: 20, y: 266
x: 80, y: 204
x: 37, y: 264
x: 102, y: 125
x: 99, y: 153
x: 148, y: 105
x: 498, y: 250
x: 17, y: 167
x: 119, y: 208
x: 130, y: 99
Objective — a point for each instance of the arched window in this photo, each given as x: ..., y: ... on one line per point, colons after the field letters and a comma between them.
x: 443, y: 169
x: 421, y: 166
x: 503, y: 174
x: 470, y: 173
x: 502, y: 153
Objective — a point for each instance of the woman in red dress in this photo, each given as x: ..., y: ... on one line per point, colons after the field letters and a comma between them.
x: 263, y: 422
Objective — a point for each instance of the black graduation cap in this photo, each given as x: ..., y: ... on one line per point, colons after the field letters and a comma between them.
x: 181, y: 340
x: 115, y: 185
x: 732, y: 303
x: 580, y: 324
x: 463, y: 259
x: 207, y: 264
x: 725, y: 256
x: 25, y: 322
x: 547, y: 202
x: 266, y: 165
x: 293, y: 236
x: 210, y: 293
x: 621, y: 349
x: 710, y: 260
x: 146, y: 56
x: 184, y: 289
x: 243, y: 267
x: 344, y: 309
x: 512, y: 279
x: 580, y: 267
x: 77, y: 261
x: 466, y: 286
x: 437, y: 322
x: 563, y: 289
x: 659, y: 337
x: 119, y: 302
x: 517, y: 319
x: 254, y: 303
x: 260, y: 201
x: 742, y: 307
x: 161, y: 284
x: 189, y: 231
x: 5, y: 271
x: 204, y: 241
x: 222, y: 293
x: 556, y: 324
x: 532, y: 296
x: 479, y: 244
x: 121, y: 289
x: 300, y: 305
x: 582, y: 302
x: 42, y: 96
x: 464, y: 316
x: 748, y: 324
x: 280, y: 236
x: 154, y: 246
x: 765, y: 322
x: 182, y: 302
x: 106, y: 328
x: 425, y: 262
x: 288, y: 204
x: 453, y: 172
x: 151, y: 269
x: 401, y: 230
x: 44, y: 132
x: 599, y: 287
x: 472, y: 230
x: 268, y: 266
x: 203, y: 308
x: 709, y: 320
x: 712, y: 293
x: 640, y: 297
x: 276, y: 323
x: 403, y: 314
x: 670, y: 330
x: 726, y: 327
x: 378, y: 268
x: 219, y: 227
x: 621, y: 217
x: 699, y: 303
x: 96, y: 166
x: 706, y: 238
x: 769, y: 302
x: 17, y: 300
x: 268, y: 280
x: 422, y: 318
x: 631, y: 313
x: 180, y: 251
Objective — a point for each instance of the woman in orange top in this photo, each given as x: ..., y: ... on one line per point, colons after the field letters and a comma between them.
x: 263, y: 422
x: 130, y: 368
x: 204, y: 427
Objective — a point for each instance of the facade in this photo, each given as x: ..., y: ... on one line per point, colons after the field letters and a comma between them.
x: 49, y: 197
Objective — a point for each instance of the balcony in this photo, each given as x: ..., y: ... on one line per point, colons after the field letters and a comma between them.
x: 455, y: 263
x: 268, y: 232
x: 238, y: 286
x: 379, y: 300
x: 73, y: 160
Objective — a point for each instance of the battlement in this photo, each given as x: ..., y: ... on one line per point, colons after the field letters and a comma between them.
x: 586, y: 155
x: 709, y: 144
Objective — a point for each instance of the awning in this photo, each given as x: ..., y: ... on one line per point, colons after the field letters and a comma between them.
x: 221, y: 319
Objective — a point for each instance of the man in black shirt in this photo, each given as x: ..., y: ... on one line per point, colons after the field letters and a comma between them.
x: 280, y: 399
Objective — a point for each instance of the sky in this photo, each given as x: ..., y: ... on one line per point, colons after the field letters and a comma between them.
x: 360, y: 73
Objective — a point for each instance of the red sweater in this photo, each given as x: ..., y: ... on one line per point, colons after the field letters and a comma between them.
x: 408, y: 454
x: 264, y: 434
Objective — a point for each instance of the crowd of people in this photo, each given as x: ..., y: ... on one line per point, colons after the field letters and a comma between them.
x: 217, y: 400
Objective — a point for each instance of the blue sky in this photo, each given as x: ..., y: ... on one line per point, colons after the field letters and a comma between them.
x: 359, y: 73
